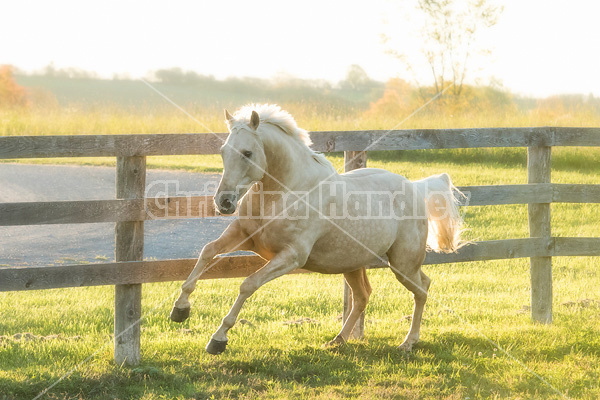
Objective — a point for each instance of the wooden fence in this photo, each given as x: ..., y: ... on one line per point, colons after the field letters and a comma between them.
x: 131, y: 209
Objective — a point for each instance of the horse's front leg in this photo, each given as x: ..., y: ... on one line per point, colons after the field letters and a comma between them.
x: 233, y: 239
x: 284, y: 262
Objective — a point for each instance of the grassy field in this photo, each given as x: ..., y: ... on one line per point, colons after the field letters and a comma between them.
x: 477, y: 340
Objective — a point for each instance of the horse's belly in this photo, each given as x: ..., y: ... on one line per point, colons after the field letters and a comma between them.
x: 352, y: 246
x: 336, y: 266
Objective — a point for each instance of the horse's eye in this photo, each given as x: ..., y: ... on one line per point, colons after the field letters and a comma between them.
x: 247, y: 153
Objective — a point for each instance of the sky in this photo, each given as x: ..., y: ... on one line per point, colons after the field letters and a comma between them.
x: 538, y: 48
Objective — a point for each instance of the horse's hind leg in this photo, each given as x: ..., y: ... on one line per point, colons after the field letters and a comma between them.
x: 418, y: 284
x: 361, y: 290
x: 408, y: 271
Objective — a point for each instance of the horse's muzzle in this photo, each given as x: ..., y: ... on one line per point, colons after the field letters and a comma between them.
x: 226, y: 203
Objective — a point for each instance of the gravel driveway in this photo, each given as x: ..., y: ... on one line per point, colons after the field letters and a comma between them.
x: 68, y: 244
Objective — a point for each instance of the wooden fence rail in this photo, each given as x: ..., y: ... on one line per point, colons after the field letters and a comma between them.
x: 117, y: 273
x: 13, y: 147
x: 130, y: 209
x: 92, y: 211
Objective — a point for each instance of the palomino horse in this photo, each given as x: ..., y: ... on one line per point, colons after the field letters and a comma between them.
x: 296, y: 211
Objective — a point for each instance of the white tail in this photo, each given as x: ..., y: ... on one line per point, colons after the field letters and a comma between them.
x: 445, y: 222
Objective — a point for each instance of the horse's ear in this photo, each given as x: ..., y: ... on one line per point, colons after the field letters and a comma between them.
x: 228, y: 116
x: 254, y: 120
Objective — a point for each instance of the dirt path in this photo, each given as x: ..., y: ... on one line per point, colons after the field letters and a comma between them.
x: 67, y: 244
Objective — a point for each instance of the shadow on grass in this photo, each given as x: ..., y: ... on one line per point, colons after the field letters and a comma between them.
x: 448, y: 363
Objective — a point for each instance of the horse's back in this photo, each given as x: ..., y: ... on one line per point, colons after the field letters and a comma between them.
x: 375, y: 179
x: 361, y: 236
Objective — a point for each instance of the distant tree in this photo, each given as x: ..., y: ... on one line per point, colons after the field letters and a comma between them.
x: 358, y: 87
x: 356, y: 78
x: 74, y: 73
x: 176, y: 76
x: 449, y: 32
x: 11, y: 93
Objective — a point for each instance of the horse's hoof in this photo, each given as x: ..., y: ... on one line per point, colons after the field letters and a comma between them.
x: 180, y: 314
x: 216, y: 346
x: 406, y: 347
x: 335, y: 343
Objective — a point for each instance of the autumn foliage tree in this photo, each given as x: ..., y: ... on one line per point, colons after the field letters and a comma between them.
x: 400, y: 99
x: 11, y: 93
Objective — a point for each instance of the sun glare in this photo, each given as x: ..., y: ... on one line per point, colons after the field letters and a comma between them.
x: 537, y: 47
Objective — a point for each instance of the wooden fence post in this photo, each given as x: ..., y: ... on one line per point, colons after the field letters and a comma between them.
x: 129, y: 246
x: 538, y: 171
x: 353, y: 160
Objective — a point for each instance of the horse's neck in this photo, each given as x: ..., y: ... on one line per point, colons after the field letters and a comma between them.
x: 290, y: 166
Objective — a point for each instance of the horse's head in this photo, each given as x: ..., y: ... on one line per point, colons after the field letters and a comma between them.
x: 244, y: 162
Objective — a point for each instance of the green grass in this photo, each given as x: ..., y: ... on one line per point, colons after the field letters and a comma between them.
x: 469, y: 303
x: 477, y: 340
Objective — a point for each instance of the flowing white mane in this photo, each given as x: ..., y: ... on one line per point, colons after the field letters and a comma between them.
x: 271, y: 114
